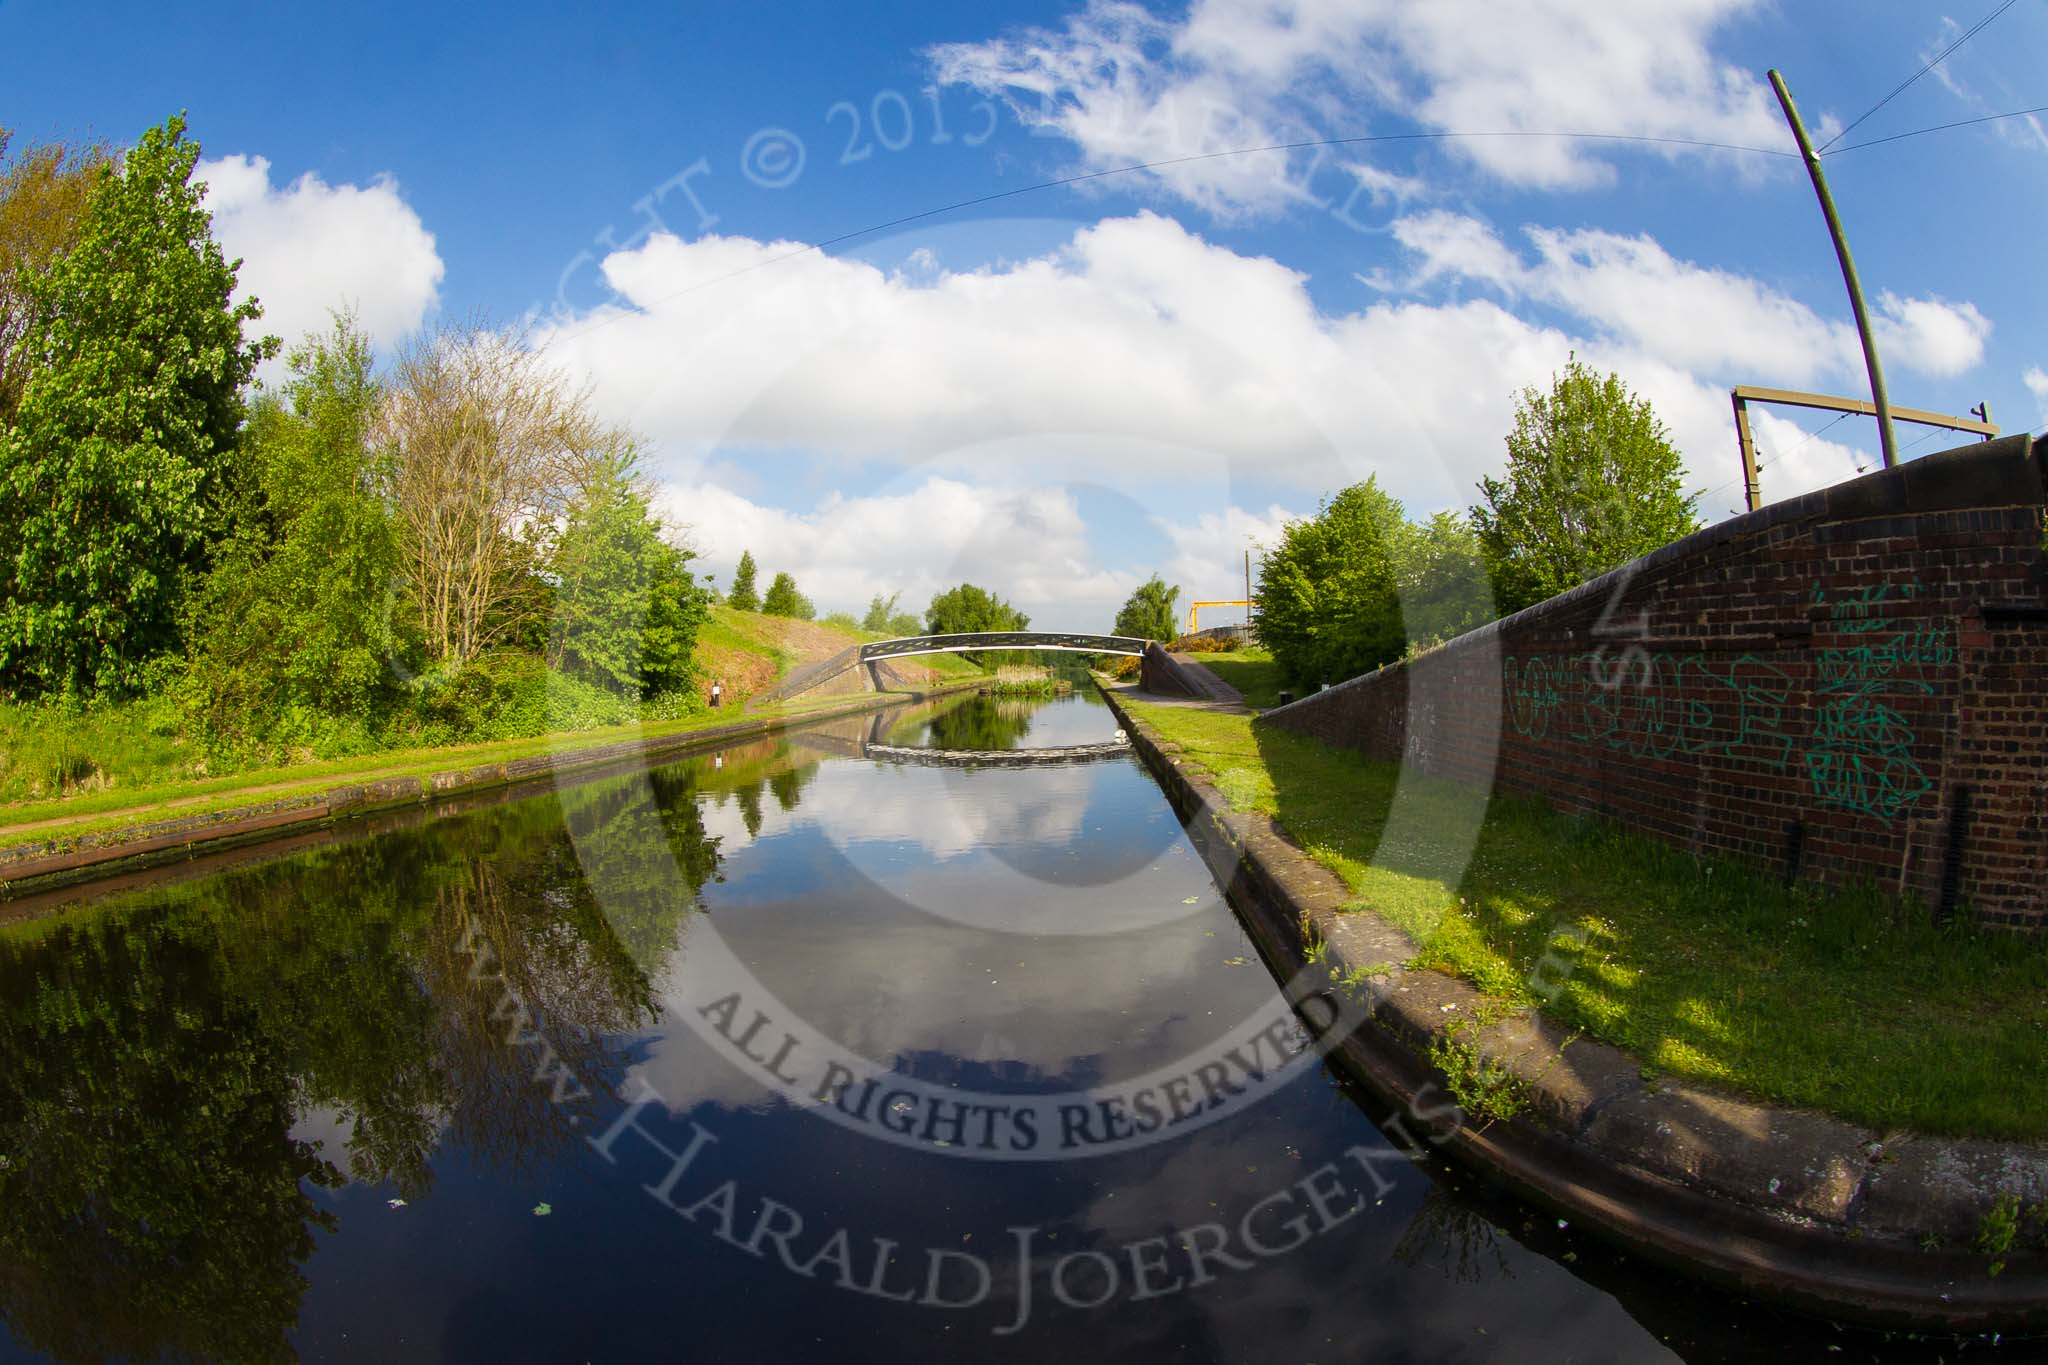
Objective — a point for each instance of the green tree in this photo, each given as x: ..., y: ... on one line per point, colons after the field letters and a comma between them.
x: 290, y: 633
x: 1442, y: 579
x: 784, y: 600
x: 1329, y: 595
x: 626, y: 608
x: 743, y: 596
x: 111, y: 481
x: 43, y: 194
x: 1592, y: 482
x: 967, y: 610
x: 880, y: 610
x: 1148, y: 613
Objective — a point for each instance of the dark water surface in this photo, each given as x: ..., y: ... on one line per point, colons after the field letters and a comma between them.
x: 542, y: 1081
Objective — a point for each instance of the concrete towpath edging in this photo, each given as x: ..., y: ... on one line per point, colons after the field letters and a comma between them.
x: 1775, y: 1203
x: 59, y: 860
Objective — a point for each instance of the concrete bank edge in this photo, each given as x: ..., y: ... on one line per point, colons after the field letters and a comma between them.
x: 61, y: 861
x: 1774, y: 1203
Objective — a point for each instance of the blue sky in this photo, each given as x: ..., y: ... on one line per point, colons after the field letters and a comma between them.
x: 1059, y: 392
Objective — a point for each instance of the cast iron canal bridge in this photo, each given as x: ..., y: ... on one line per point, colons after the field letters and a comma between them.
x: 872, y: 658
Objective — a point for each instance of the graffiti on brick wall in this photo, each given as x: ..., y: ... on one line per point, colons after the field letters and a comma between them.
x: 1689, y: 705
x: 1857, y: 749
x: 1861, y: 758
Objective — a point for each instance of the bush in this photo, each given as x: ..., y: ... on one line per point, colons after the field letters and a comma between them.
x: 674, y: 706
x: 507, y: 694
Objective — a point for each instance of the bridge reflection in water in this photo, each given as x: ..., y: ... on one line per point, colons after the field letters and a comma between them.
x: 871, y: 737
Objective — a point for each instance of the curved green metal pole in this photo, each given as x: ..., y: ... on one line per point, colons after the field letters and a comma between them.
x: 1827, y: 207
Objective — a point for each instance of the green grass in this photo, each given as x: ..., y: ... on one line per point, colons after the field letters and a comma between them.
x: 741, y: 632
x: 107, y: 766
x: 1250, y: 670
x: 47, y: 751
x: 116, y: 808
x: 1703, y: 970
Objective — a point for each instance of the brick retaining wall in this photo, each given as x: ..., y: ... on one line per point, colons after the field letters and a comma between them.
x: 1845, y: 686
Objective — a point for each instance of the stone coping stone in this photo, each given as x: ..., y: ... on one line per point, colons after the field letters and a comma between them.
x: 1923, y: 1187
x: 1783, y: 1203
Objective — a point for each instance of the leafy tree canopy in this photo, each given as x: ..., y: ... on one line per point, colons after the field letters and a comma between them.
x: 112, y: 483
x: 292, y: 630
x: 880, y: 611
x: 1444, y: 588
x: 1592, y: 482
x: 1148, y: 613
x: 1329, y: 598
x: 43, y: 194
x: 743, y: 595
x: 784, y: 600
x: 968, y: 609
x: 627, y: 610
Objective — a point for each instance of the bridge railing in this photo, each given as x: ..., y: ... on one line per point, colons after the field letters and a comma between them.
x: 988, y: 642
x: 978, y: 642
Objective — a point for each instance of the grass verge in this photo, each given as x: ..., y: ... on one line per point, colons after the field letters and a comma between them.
x: 1250, y: 670
x: 1702, y: 969
x: 99, y: 812
x: 99, y: 767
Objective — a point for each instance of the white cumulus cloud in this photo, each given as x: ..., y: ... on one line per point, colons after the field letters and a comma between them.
x: 1689, y: 315
x: 1138, y: 356
x: 309, y: 248
x: 1031, y: 544
x: 1127, y: 86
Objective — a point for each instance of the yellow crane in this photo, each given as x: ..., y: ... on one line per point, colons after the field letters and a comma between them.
x: 1195, y: 610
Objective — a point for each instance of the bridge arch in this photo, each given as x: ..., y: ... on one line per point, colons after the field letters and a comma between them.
x: 981, y: 642
x: 978, y: 642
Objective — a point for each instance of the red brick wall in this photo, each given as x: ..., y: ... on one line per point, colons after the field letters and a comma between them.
x: 1846, y: 686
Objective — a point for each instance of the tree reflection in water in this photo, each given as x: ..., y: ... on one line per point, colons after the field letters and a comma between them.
x: 158, y: 1051
x: 1453, y: 1236
x: 976, y: 723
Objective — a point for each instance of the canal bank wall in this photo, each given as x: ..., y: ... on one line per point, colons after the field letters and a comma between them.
x: 33, y: 869
x: 1843, y: 687
x: 1779, y: 1204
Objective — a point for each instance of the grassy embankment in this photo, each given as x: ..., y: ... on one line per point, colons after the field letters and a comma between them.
x: 131, y: 763
x: 1703, y: 970
x: 1250, y: 670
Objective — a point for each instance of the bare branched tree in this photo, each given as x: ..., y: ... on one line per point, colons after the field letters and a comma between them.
x: 43, y: 193
x: 488, y: 444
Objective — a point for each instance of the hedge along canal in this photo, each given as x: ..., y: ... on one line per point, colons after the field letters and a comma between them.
x: 519, y: 1080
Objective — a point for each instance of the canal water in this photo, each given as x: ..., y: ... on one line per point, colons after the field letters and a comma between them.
x: 787, y: 1052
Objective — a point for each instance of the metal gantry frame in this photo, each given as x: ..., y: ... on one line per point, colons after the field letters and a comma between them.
x: 1195, y: 609
x: 1742, y: 395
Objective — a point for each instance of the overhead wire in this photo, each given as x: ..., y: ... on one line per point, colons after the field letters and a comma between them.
x: 1774, y: 456
x: 1937, y: 128
x: 1932, y: 62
